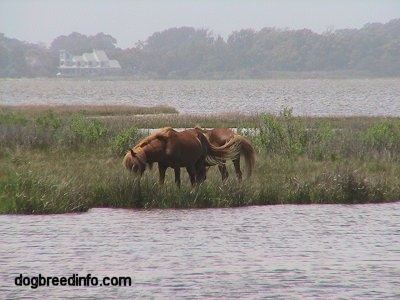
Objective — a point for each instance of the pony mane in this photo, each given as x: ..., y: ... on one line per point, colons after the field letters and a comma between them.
x: 138, y: 150
x: 141, y: 156
x: 162, y: 133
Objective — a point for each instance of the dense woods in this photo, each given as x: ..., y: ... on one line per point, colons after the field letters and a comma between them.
x: 189, y: 53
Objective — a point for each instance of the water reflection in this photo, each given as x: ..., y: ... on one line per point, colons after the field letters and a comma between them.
x: 329, y: 251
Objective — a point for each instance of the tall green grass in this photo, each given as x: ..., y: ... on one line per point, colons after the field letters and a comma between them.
x: 38, y: 182
x: 326, y: 139
x: 57, y: 163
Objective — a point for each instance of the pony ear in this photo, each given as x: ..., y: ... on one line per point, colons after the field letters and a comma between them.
x: 133, y: 153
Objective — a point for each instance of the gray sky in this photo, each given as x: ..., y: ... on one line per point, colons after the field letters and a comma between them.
x: 132, y: 20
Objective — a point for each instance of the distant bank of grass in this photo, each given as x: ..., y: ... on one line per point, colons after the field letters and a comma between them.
x: 57, y: 162
x: 88, y: 110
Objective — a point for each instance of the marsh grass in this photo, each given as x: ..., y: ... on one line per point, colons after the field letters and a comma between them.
x: 55, y: 163
x: 54, y: 182
x: 88, y: 110
x: 183, y: 121
x: 80, y: 127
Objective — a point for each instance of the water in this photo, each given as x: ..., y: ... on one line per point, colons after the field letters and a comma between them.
x: 313, y: 97
x: 279, y: 252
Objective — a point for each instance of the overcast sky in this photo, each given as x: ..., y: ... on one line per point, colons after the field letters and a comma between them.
x: 132, y: 20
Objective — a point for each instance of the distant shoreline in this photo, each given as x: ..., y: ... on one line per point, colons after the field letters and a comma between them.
x: 270, y: 75
x: 191, y: 53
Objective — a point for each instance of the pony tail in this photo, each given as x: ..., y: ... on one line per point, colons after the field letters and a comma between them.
x: 199, y: 128
x: 249, y: 154
x: 230, y: 150
x: 237, y: 146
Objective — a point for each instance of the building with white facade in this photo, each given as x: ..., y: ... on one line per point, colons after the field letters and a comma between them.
x: 94, y: 63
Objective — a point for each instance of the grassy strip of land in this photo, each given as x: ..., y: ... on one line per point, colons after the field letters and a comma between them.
x: 88, y: 110
x: 53, y: 162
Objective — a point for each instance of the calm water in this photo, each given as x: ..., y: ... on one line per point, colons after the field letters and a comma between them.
x: 280, y: 252
x: 315, y: 97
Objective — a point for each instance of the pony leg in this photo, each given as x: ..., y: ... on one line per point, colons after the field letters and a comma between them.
x: 224, y: 172
x: 161, y: 171
x: 200, y: 171
x: 178, y: 176
x: 236, y: 163
x: 192, y: 175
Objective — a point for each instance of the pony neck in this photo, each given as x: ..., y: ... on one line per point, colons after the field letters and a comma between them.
x: 152, y: 151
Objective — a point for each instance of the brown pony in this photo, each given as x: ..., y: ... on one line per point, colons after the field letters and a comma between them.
x: 172, y: 149
x: 218, y: 137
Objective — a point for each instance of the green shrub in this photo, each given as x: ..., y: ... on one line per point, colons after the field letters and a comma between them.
x: 384, y: 137
x: 12, y: 118
x: 285, y: 134
x: 80, y: 130
x: 73, y: 130
x: 124, y: 141
x: 50, y: 121
x: 47, y: 128
x: 322, y: 142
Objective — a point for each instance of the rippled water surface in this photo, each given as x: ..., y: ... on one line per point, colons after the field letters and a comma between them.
x: 315, y: 97
x: 281, y: 252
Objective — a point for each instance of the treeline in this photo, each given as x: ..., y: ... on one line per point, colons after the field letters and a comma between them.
x: 189, y: 53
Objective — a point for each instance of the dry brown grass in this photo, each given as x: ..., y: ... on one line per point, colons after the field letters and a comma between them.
x: 182, y: 121
x: 90, y: 110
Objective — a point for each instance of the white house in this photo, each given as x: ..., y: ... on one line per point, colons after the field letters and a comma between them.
x: 96, y: 63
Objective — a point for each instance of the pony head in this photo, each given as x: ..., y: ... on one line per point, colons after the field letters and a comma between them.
x: 135, y: 161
